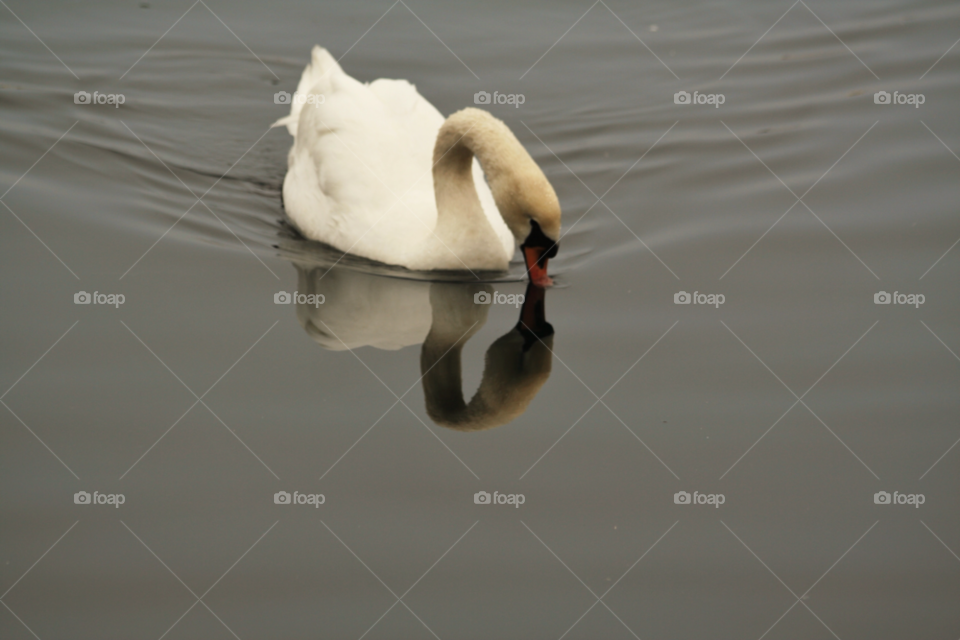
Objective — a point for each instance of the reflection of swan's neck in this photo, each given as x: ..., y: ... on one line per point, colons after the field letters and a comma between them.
x: 515, y: 368
x: 510, y: 171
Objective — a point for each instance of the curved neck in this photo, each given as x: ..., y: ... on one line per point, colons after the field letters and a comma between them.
x: 506, y: 165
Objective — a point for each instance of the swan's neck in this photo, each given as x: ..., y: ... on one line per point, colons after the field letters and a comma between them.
x: 474, y: 133
x: 459, y: 212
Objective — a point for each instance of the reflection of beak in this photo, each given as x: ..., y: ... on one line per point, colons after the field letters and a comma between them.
x: 533, y: 316
x: 537, y: 266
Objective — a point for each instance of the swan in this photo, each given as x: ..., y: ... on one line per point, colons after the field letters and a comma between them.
x: 376, y: 171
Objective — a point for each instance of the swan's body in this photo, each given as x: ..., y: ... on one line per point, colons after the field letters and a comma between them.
x: 376, y: 171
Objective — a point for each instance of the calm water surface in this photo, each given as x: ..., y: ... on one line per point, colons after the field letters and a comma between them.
x: 798, y: 199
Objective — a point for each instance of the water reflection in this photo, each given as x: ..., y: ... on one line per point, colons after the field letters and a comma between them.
x: 361, y: 309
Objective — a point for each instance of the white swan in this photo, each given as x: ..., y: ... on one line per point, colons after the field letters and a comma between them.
x: 376, y: 171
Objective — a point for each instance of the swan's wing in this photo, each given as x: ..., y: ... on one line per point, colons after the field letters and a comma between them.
x: 356, y: 152
x: 401, y: 99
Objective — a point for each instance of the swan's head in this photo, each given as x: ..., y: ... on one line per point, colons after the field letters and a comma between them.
x: 537, y: 248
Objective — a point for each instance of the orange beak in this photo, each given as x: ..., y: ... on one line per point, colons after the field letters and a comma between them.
x: 537, y: 266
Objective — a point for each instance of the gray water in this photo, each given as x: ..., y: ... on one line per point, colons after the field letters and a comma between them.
x: 797, y: 399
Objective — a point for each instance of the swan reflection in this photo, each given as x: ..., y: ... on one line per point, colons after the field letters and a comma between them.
x: 360, y: 310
